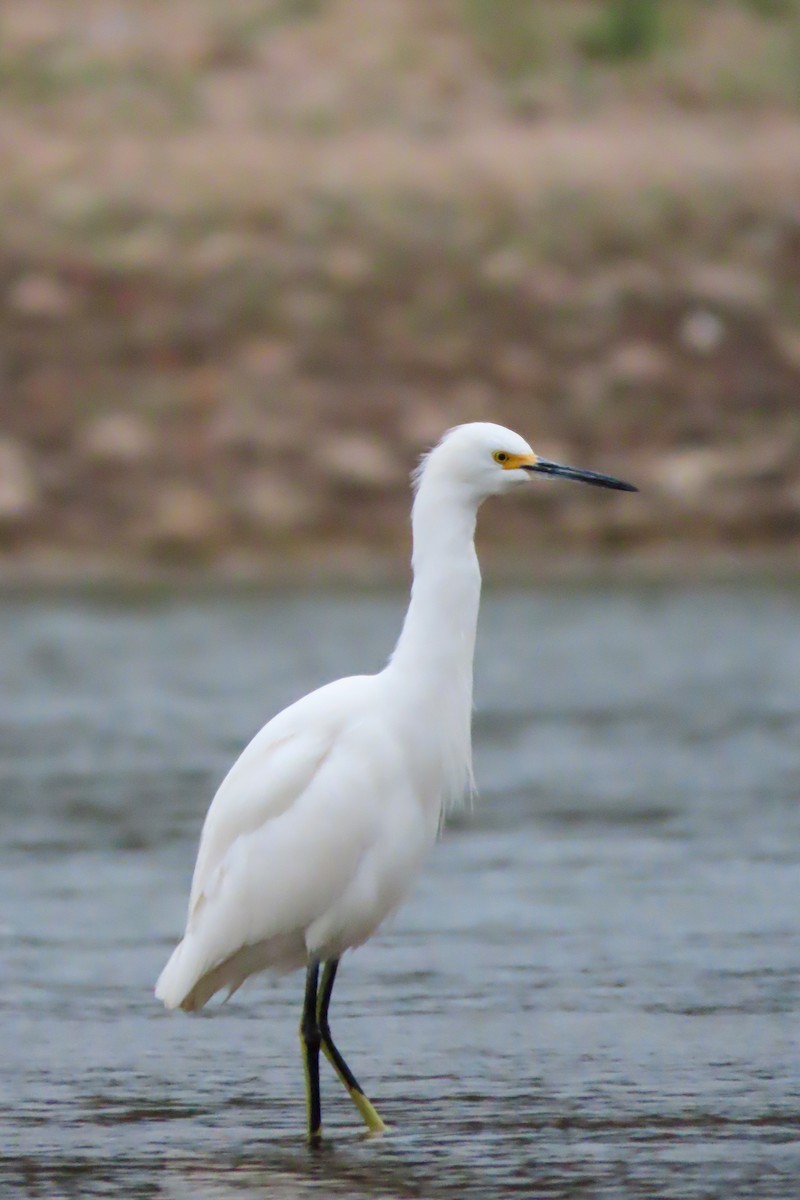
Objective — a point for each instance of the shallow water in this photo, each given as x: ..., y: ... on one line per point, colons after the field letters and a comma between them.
x: 593, y: 991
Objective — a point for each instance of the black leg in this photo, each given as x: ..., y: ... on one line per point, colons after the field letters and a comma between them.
x: 310, y: 1042
x: 367, y: 1110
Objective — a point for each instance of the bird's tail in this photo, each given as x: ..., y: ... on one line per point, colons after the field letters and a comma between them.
x: 191, y: 978
x: 176, y: 982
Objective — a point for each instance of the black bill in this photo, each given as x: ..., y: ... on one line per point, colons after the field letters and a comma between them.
x: 542, y: 467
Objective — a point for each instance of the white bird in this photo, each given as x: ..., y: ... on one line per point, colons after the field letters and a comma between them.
x: 318, y: 830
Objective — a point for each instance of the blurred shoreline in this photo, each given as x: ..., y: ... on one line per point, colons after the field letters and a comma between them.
x: 670, y: 569
x: 257, y: 257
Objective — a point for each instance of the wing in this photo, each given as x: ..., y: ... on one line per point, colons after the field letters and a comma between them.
x: 282, y: 841
x: 275, y: 768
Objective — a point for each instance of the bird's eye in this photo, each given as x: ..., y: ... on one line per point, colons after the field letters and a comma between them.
x: 500, y: 456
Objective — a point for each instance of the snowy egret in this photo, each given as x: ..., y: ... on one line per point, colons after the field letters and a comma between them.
x: 321, y: 825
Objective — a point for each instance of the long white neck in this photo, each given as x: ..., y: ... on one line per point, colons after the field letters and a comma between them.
x: 431, y: 667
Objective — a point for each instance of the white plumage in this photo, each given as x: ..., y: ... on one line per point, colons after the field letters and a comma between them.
x: 307, y: 846
x: 322, y: 824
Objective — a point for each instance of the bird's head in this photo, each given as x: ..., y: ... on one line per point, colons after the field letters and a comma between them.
x: 488, y: 460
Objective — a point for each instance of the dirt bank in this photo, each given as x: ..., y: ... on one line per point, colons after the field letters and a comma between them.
x: 230, y: 326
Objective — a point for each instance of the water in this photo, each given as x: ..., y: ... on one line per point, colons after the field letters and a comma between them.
x: 593, y: 991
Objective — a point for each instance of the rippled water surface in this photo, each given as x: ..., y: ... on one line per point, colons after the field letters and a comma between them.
x: 593, y: 991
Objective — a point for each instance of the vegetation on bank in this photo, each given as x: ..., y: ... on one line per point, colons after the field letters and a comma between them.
x: 256, y: 255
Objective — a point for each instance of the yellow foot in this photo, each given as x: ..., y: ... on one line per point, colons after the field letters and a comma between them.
x: 369, y: 1114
